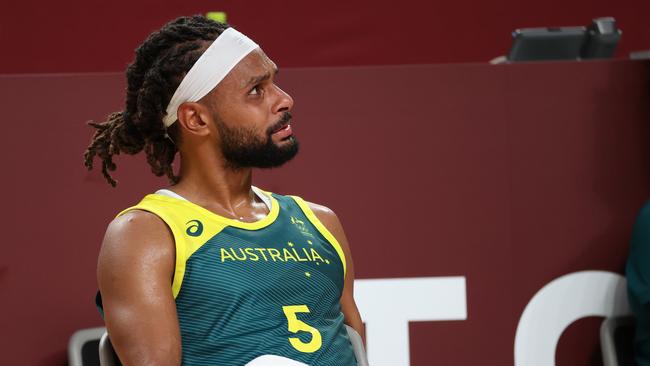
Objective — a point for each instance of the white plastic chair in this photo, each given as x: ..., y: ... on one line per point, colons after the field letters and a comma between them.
x: 76, y: 346
x: 107, y: 355
x: 357, y: 346
x: 616, y: 337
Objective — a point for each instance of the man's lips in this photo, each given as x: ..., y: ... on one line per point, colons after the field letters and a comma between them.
x: 283, y: 132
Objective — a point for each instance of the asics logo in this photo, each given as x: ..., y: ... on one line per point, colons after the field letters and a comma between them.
x: 195, y: 229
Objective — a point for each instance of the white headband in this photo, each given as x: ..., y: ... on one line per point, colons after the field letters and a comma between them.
x: 208, y: 71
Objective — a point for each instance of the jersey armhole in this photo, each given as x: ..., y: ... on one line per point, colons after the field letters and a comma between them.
x: 180, y: 250
x: 322, y: 229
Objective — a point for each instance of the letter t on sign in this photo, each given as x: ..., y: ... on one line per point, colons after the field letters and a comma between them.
x: 388, y: 305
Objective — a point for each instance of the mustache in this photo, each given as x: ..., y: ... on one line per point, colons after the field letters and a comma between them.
x: 286, y: 117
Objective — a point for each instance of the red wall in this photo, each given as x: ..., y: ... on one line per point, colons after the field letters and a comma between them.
x: 89, y: 36
x: 508, y: 175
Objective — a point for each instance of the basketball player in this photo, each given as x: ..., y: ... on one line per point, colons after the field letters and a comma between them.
x: 213, y: 270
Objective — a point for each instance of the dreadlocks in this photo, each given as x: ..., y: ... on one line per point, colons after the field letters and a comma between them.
x: 160, y: 64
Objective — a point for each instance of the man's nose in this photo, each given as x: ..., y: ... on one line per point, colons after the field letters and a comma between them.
x: 284, y: 102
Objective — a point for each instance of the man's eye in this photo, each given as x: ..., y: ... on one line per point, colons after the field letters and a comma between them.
x: 255, y: 90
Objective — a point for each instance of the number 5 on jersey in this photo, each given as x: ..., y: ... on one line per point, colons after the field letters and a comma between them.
x: 296, y: 325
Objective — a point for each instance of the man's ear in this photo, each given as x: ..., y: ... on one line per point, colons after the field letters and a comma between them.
x: 193, y: 118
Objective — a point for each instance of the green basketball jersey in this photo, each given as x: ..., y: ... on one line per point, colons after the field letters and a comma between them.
x: 245, y: 290
x: 637, y: 272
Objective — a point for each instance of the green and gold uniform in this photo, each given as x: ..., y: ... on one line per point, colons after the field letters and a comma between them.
x: 244, y: 290
x: 637, y: 272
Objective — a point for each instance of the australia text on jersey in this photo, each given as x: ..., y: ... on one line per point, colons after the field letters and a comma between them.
x: 255, y: 254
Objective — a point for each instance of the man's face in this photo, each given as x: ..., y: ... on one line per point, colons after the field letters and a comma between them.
x: 252, y: 115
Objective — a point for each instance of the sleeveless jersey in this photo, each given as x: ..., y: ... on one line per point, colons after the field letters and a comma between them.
x: 245, y: 290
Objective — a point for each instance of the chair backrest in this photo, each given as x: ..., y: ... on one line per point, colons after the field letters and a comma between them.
x: 357, y: 346
x: 107, y: 355
x: 616, y: 341
x: 83, y: 347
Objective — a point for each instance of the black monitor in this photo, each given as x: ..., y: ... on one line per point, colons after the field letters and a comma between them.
x: 540, y: 44
x: 599, y: 40
x: 603, y: 36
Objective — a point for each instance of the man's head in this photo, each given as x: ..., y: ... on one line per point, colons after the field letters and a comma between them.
x: 246, y: 116
x: 237, y: 125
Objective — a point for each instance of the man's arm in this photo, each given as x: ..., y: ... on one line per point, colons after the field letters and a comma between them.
x: 348, y: 306
x: 134, y: 272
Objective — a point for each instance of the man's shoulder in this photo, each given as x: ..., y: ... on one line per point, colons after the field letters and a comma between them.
x: 134, y: 218
x: 318, y: 209
x: 135, y: 227
x: 321, y: 211
x: 136, y: 239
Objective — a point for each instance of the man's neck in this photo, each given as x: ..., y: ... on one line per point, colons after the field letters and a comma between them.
x: 207, y: 180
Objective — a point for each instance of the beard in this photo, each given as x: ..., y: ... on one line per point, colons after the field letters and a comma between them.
x: 244, y: 148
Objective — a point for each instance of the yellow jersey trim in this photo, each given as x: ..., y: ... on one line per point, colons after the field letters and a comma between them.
x: 266, y: 221
x: 322, y: 229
